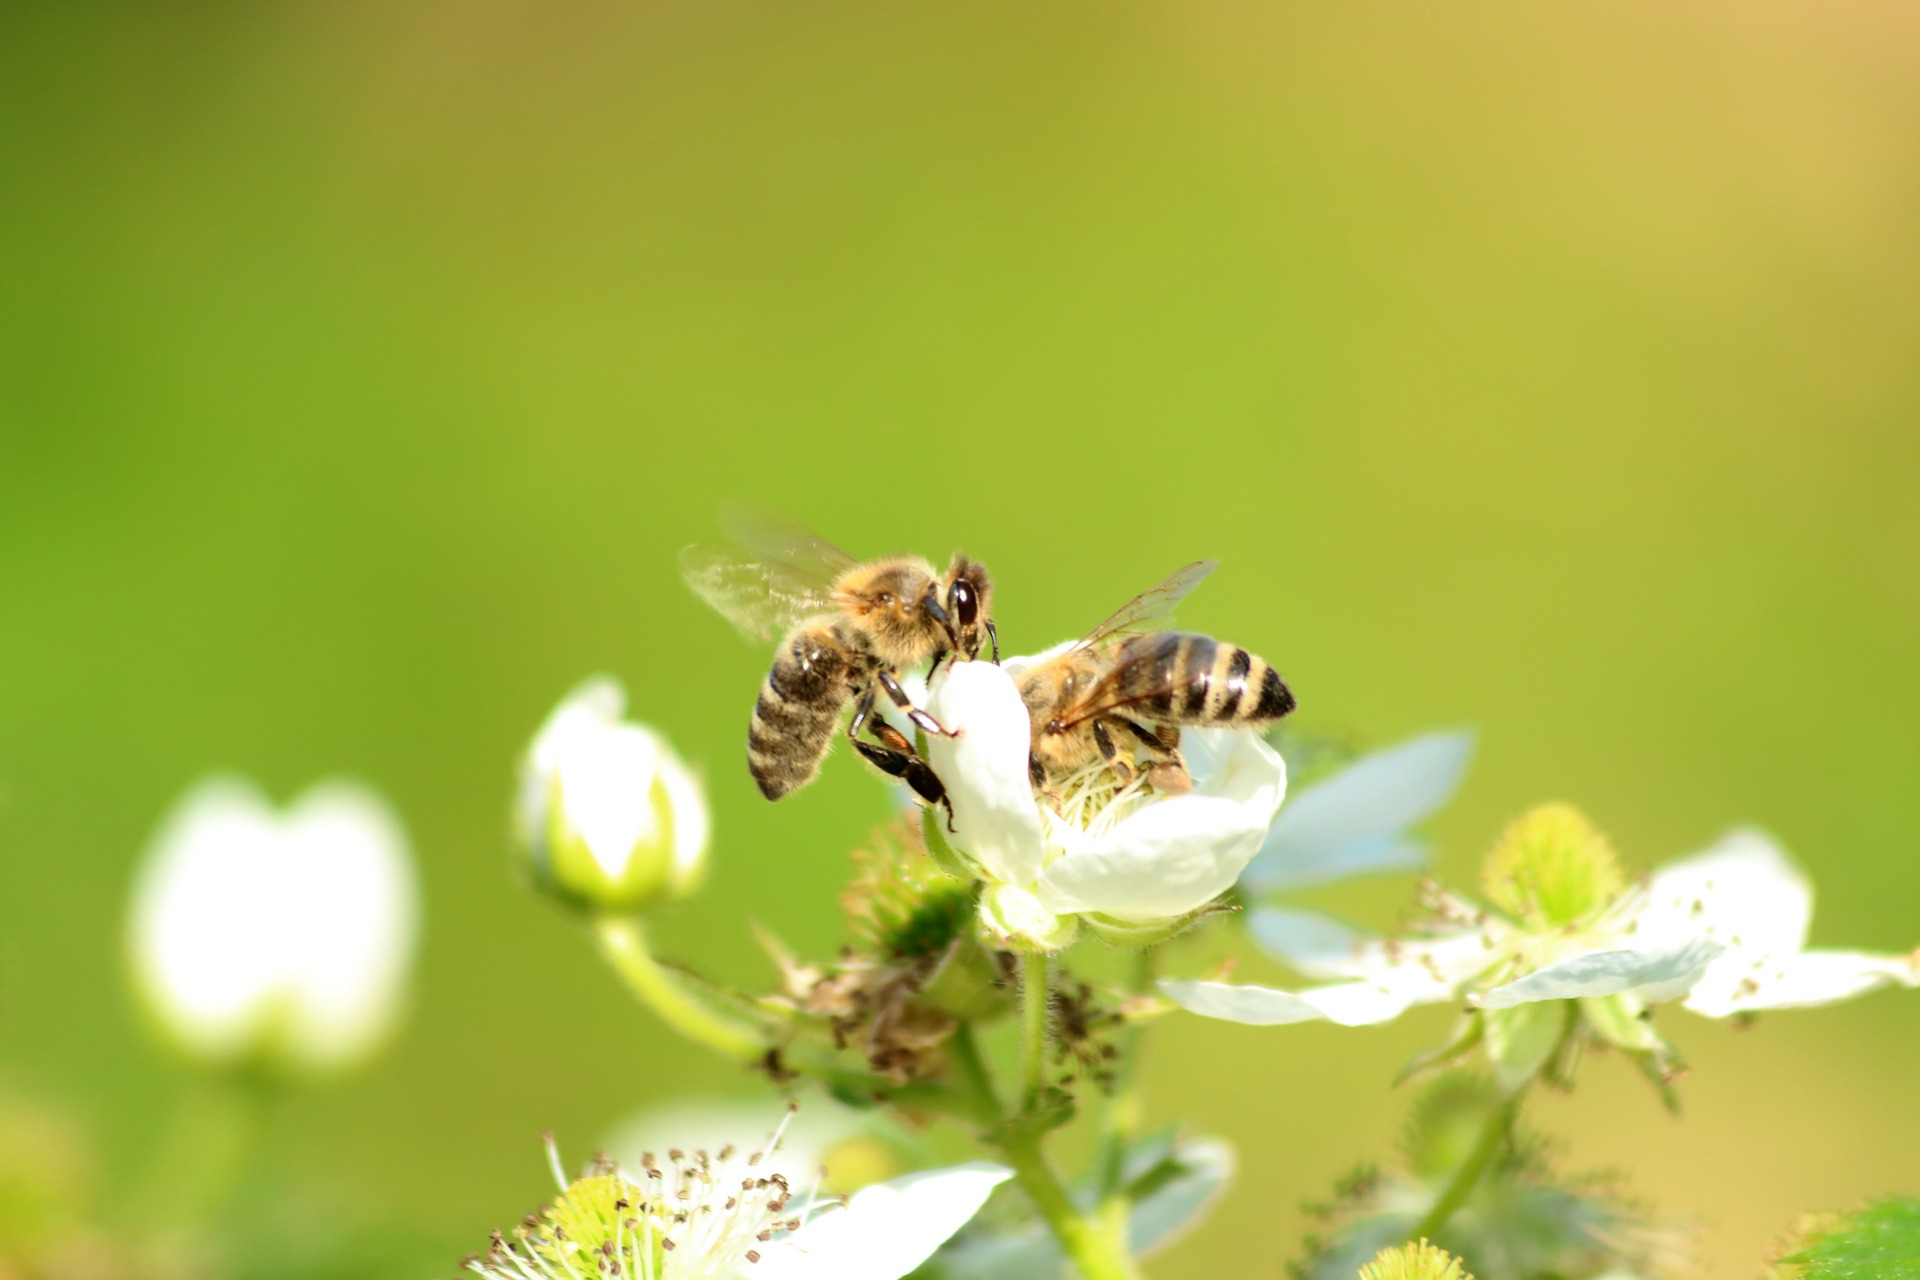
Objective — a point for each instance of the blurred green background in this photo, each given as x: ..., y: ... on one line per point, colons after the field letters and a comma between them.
x: 1549, y: 368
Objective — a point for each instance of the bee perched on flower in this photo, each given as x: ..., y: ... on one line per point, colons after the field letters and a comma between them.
x: 728, y: 1214
x: 1117, y: 779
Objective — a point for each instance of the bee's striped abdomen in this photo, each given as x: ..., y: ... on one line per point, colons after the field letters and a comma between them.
x: 799, y: 708
x: 1182, y: 677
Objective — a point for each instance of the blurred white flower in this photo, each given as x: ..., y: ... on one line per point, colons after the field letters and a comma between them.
x: 608, y: 817
x: 275, y: 938
x: 729, y: 1215
x: 1725, y: 929
x: 1104, y: 851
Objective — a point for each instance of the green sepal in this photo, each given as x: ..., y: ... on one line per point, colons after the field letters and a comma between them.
x: 1467, y: 1034
x: 1138, y: 937
x: 1521, y: 1040
x: 1053, y: 1108
x: 967, y: 984
x: 933, y: 833
x: 1881, y: 1242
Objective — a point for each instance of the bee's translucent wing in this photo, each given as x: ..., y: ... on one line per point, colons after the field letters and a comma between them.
x: 1139, y: 678
x: 760, y: 597
x: 782, y: 540
x: 1153, y: 608
x: 1359, y: 821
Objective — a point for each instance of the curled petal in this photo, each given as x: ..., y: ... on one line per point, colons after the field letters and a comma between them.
x: 885, y: 1231
x: 1177, y: 853
x: 1653, y: 974
x: 1800, y: 980
x: 996, y: 821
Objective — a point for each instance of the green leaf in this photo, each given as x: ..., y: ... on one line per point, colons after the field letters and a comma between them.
x: 1878, y: 1243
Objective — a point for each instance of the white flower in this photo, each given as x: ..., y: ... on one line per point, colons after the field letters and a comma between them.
x: 1725, y: 929
x: 608, y: 816
x: 276, y: 938
x: 730, y: 1216
x: 1135, y: 858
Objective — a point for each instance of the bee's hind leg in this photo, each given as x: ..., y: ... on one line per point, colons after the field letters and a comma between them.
x: 894, y: 756
x: 1168, y: 768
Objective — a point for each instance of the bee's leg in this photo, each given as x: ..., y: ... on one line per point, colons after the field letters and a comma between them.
x: 994, y: 636
x: 1168, y: 769
x: 895, y: 756
x: 915, y: 714
x: 1108, y: 751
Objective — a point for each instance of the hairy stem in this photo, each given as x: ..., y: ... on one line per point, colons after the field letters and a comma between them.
x: 623, y: 941
x: 1122, y: 1119
x: 1095, y: 1254
x: 1492, y: 1137
x: 1035, y: 980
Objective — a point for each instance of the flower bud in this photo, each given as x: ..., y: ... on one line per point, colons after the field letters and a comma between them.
x: 610, y: 820
x: 272, y: 938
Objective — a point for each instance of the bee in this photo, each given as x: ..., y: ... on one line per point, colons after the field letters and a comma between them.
x: 1124, y: 690
x: 848, y: 629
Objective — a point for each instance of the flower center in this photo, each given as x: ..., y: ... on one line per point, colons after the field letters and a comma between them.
x: 697, y: 1217
x: 1096, y: 797
x: 1552, y: 867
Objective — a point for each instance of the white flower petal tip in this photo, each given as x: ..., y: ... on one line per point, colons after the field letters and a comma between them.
x: 1355, y: 822
x: 609, y: 817
x: 996, y: 820
x: 280, y: 938
x: 1803, y: 980
x: 1350, y: 1004
x: 1653, y: 974
x: 885, y: 1231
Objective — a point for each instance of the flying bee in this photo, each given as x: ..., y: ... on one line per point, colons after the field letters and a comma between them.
x: 848, y: 629
x: 1124, y: 690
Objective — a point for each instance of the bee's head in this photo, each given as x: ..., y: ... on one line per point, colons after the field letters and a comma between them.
x: 969, y: 592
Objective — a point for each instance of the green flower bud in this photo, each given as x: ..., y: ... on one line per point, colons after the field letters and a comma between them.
x: 610, y: 820
x: 1552, y: 867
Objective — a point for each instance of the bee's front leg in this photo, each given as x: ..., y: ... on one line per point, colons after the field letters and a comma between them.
x: 920, y: 718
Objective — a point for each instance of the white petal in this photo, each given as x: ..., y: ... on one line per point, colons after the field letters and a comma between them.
x: 607, y: 788
x: 1653, y: 974
x: 593, y: 705
x: 885, y: 1231
x: 693, y: 1124
x: 253, y: 931
x: 1355, y: 822
x: 1176, y: 853
x: 996, y: 820
x: 1744, y: 892
x: 1800, y: 980
x: 1324, y: 948
x: 204, y: 953
x: 350, y: 922
x: 1351, y: 1004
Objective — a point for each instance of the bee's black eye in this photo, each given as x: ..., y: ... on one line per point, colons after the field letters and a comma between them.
x: 965, y: 605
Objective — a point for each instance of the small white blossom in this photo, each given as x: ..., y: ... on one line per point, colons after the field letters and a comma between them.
x: 1102, y: 849
x: 270, y: 937
x: 1724, y: 930
x: 608, y: 816
x: 735, y: 1216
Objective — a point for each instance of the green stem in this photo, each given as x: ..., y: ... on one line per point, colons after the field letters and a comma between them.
x: 209, y: 1142
x: 1492, y: 1137
x: 623, y: 941
x: 1035, y: 978
x: 1122, y: 1119
x: 970, y: 1071
x: 1094, y: 1252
